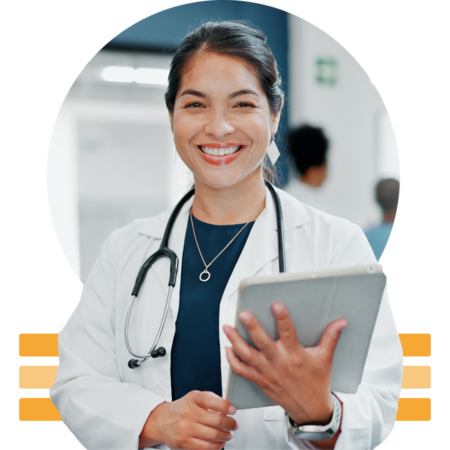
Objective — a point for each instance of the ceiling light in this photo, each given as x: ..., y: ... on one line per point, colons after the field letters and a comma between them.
x: 118, y: 74
x: 152, y: 76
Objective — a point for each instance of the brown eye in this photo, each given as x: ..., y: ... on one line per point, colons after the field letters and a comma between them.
x: 244, y: 105
x: 194, y: 105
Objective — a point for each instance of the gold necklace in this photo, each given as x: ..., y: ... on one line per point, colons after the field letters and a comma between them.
x: 206, y: 272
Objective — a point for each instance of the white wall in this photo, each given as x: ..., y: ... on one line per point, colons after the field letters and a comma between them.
x: 123, y: 170
x: 348, y: 113
x: 386, y: 147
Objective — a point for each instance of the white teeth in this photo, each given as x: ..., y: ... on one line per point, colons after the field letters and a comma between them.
x: 221, y: 151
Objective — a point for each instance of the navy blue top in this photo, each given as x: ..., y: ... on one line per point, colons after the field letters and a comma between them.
x: 195, y: 357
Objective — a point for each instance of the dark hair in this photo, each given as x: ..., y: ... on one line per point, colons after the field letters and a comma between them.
x: 387, y: 193
x: 308, y: 146
x: 235, y: 39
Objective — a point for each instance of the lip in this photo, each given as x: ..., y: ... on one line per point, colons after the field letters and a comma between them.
x: 220, y: 160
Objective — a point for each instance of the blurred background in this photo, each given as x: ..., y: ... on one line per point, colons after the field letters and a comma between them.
x: 112, y: 158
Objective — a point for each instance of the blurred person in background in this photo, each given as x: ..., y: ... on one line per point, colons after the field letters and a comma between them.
x: 308, y: 147
x: 387, y: 192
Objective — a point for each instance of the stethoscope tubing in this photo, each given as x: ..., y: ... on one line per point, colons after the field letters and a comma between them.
x: 164, y: 251
x: 280, y: 227
x: 158, y: 334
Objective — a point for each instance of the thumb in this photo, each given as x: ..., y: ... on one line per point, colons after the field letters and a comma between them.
x: 331, y: 336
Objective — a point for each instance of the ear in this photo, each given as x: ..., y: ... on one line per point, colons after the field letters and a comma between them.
x: 170, y: 117
x: 276, y: 119
x: 171, y: 121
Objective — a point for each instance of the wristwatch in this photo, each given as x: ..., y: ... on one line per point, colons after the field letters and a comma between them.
x: 317, y: 432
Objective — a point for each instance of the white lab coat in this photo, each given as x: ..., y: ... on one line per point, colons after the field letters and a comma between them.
x: 106, y: 404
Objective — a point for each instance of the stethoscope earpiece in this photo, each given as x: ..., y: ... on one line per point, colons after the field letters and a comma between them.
x: 133, y: 363
x: 161, y: 351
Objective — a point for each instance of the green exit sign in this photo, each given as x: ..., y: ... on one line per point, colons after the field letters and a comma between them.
x: 326, y: 71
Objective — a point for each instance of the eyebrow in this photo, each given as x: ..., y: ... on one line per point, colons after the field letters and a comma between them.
x: 242, y: 92
x: 193, y: 92
x: 233, y: 95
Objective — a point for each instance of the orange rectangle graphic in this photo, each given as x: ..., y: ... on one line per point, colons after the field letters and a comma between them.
x: 38, y: 348
x: 39, y: 422
x: 416, y: 377
x: 431, y: 345
x: 423, y: 409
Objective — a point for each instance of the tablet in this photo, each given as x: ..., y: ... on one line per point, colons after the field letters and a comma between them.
x: 314, y: 300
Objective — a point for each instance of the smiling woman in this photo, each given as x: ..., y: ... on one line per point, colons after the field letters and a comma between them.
x: 257, y: 77
x: 224, y: 101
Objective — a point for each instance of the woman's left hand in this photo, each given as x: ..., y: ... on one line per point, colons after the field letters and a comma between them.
x: 296, y: 378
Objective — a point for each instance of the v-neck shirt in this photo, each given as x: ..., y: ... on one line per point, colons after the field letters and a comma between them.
x: 195, y: 355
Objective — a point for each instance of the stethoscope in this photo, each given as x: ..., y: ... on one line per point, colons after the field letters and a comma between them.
x: 164, y: 250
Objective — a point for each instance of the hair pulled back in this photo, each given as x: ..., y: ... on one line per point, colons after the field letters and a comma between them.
x: 234, y: 39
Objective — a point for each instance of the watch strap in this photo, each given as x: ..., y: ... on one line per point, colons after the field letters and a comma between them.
x: 318, y: 432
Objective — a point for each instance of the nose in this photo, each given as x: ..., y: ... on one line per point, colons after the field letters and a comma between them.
x: 218, y: 124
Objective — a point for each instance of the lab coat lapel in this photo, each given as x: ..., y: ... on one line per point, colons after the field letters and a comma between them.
x: 261, y: 247
x: 262, y: 244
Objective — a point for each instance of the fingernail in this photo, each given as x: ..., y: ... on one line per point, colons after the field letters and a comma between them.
x: 237, y: 426
x: 342, y: 326
x: 278, y: 309
x: 227, y: 329
x: 232, y: 409
x: 245, y: 317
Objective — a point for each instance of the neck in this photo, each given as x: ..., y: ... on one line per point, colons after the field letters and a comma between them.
x: 240, y: 203
x: 389, y: 216
x: 314, y: 175
x: 303, y: 180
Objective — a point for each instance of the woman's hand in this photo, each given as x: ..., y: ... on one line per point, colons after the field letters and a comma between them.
x: 199, y: 420
x: 296, y: 378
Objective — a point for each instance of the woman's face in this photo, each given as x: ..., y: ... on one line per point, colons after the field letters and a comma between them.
x: 221, y: 120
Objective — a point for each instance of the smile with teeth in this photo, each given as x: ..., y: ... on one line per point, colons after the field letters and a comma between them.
x: 220, y: 151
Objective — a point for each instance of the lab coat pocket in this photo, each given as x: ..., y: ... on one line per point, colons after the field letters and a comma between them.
x: 273, y: 413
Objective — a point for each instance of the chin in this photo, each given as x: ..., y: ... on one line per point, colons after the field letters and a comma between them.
x: 226, y: 177
x: 219, y: 181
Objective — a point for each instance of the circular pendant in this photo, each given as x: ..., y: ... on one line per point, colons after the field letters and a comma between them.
x: 208, y: 275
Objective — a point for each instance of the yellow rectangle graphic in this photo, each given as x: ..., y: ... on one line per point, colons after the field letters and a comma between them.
x: 426, y: 381
x: 37, y: 409
x: 35, y: 381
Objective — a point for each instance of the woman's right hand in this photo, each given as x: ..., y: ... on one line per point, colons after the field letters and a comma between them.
x: 199, y: 420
